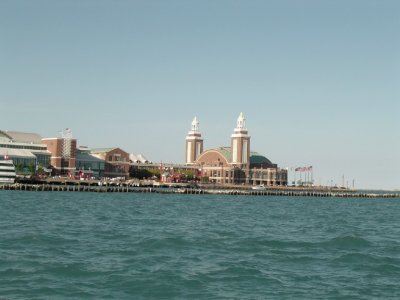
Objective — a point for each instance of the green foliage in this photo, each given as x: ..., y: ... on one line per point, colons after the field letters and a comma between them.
x: 40, y: 170
x: 135, y: 172
x: 19, y: 167
x: 205, y: 179
x: 31, y: 168
x: 155, y: 172
x: 188, y: 173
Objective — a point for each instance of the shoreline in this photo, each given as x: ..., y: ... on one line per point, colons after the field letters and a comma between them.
x: 201, y: 190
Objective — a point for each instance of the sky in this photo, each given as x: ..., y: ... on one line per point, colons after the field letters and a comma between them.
x: 318, y: 81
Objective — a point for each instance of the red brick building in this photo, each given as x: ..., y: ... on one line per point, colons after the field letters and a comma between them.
x: 116, y: 161
x: 63, y: 155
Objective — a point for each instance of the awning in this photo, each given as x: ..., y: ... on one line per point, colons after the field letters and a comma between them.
x: 22, y: 153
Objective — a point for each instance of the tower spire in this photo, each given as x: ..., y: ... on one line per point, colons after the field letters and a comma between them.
x: 195, y: 125
x: 241, y: 122
x: 194, y: 143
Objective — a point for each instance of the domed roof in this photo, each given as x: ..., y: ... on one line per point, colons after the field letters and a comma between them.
x: 215, y: 156
x: 256, y: 158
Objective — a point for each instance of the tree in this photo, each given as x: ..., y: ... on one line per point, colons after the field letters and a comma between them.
x: 189, y: 174
x: 135, y: 172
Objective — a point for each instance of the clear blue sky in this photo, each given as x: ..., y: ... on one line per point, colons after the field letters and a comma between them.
x: 318, y: 81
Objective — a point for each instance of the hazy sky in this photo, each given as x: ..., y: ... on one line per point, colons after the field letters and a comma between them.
x: 318, y: 81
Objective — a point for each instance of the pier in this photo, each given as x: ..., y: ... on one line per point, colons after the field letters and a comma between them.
x: 240, y: 191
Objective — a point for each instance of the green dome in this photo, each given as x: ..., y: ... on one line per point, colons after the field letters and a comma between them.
x: 256, y: 158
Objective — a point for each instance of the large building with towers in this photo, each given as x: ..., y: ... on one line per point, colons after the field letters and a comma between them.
x: 236, y: 164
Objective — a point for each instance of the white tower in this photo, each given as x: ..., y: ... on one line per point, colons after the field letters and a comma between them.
x: 194, y: 143
x: 240, y: 143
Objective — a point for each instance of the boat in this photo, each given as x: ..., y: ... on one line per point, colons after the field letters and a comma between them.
x: 260, y: 187
x: 7, y: 171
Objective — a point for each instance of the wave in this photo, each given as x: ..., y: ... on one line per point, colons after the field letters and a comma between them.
x: 257, y: 243
x: 343, y: 242
x: 356, y: 258
x: 347, y: 242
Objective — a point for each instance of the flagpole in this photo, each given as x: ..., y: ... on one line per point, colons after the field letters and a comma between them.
x: 312, y: 174
x: 301, y: 176
x: 308, y: 177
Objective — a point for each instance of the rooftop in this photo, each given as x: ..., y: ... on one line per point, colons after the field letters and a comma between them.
x: 16, y: 153
x: 24, y: 137
x: 226, y: 152
x: 256, y: 158
x: 102, y: 150
x: 85, y: 156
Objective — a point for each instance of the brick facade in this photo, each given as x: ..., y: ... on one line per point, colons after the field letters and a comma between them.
x: 61, y: 164
x: 116, y: 162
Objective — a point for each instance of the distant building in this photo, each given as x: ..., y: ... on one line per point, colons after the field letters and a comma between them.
x: 26, y: 150
x: 138, y: 159
x: 63, y: 153
x: 235, y: 164
x: 88, y: 163
x: 116, y: 161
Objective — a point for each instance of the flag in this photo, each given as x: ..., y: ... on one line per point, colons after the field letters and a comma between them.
x: 303, y: 169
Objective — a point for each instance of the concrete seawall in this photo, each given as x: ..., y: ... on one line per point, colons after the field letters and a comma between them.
x: 194, y: 191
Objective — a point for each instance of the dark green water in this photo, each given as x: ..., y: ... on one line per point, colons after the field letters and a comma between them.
x: 145, y: 246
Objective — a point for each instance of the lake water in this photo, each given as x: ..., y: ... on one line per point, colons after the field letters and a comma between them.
x: 60, y: 245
